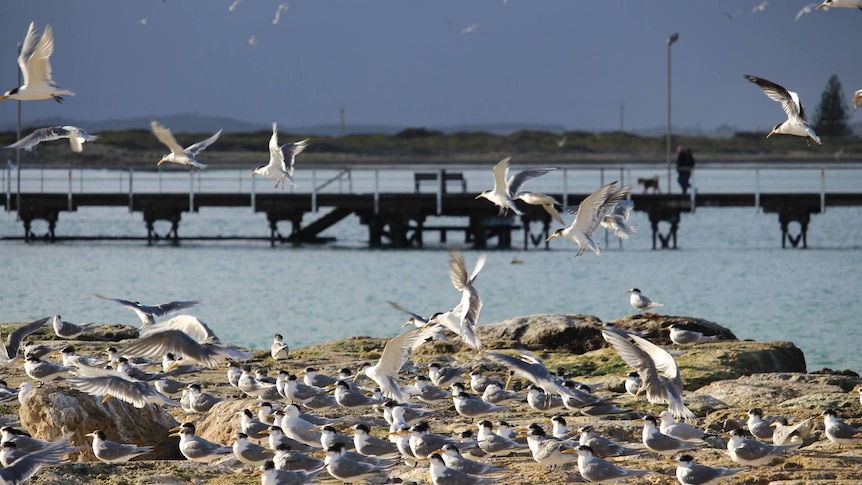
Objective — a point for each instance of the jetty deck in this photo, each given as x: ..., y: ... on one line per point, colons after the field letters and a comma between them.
x: 393, y: 218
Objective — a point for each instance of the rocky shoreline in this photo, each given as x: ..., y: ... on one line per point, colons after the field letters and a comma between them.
x: 723, y: 379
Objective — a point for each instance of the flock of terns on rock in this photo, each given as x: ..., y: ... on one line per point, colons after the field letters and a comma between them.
x: 288, y: 418
x: 290, y: 440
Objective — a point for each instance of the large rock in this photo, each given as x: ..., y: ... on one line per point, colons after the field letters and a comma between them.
x: 785, y: 390
x: 50, y: 411
x: 550, y: 331
x: 649, y: 326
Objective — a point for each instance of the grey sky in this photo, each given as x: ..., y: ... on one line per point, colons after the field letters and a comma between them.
x: 407, y: 62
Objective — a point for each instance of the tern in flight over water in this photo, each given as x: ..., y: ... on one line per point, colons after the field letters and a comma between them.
x: 36, y: 69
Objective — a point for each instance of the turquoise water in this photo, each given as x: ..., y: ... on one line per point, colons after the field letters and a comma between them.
x: 730, y: 269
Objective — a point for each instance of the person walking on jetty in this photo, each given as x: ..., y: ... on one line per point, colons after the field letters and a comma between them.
x: 684, y: 167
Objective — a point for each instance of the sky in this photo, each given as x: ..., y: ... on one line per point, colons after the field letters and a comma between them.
x: 590, y: 65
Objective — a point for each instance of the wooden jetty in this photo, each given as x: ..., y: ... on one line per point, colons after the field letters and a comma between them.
x: 404, y: 219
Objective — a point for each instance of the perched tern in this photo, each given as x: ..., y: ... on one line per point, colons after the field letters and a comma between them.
x: 602, y: 447
x: 351, y: 399
x: 493, y: 443
x: 348, y: 470
x: 43, y: 371
x: 649, y: 360
x: 197, y: 449
x: 444, y: 376
x: 796, y: 124
x: 277, y: 169
x: 369, y: 445
x: 660, y: 443
x: 690, y: 473
x: 248, y: 452
x: 296, y: 427
x: 147, y: 312
x: 495, y: 394
x: 179, y: 155
x: 786, y: 434
x: 591, y: 212
x: 422, y: 442
x: 441, y: 474
x: 201, y: 402
x: 597, y: 470
x: 473, y: 407
x: 680, y: 335
x: 66, y: 329
x: 839, y: 432
x: 539, y: 400
x: 36, y: 69
x: 23, y: 440
x: 278, y: 350
x: 427, y: 393
x: 76, y: 136
x: 277, y: 439
x: 288, y: 458
x: 680, y: 429
x: 548, y: 450
x: 752, y: 452
x: 270, y: 475
x: 641, y: 302
x: 478, y: 381
x: 312, y: 377
x: 760, y: 427
x: 506, y: 189
x: 111, y: 452
x: 455, y: 460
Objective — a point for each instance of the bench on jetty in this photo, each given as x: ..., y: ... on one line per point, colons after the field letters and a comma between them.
x: 419, y: 177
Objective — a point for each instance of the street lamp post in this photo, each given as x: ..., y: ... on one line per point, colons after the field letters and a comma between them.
x: 670, y: 40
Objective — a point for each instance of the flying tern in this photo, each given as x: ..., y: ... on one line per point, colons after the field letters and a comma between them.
x: 463, y: 318
x: 76, y: 136
x: 277, y: 169
x: 507, y: 189
x: 36, y: 69
x: 179, y: 155
x: 658, y: 370
x: 591, y: 211
x: 796, y: 124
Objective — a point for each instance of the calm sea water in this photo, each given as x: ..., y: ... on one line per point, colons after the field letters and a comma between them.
x: 730, y: 269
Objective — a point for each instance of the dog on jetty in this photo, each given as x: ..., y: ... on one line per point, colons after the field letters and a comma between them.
x: 650, y: 183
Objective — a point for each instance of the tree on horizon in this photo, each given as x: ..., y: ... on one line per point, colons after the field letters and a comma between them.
x: 832, y: 112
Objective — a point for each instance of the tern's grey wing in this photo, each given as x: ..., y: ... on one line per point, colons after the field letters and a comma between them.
x: 588, y: 220
x: 200, y: 146
x: 25, y: 467
x: 661, y: 358
x: 13, y: 341
x: 346, y: 468
x: 789, y: 101
x: 521, y: 177
x: 842, y: 430
x: 137, y: 394
x: 38, y: 136
x: 188, y: 324
x: 697, y: 474
x: 457, y: 270
x: 165, y: 136
x: 28, y: 48
x: 751, y: 450
x: 614, y: 198
x: 401, y: 309
x: 115, y: 451
x: 199, y: 448
x: 295, y: 149
x: 178, y: 342
x: 501, y: 172
x: 640, y: 361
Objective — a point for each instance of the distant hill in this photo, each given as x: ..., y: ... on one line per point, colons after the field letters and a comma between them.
x: 196, y: 123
